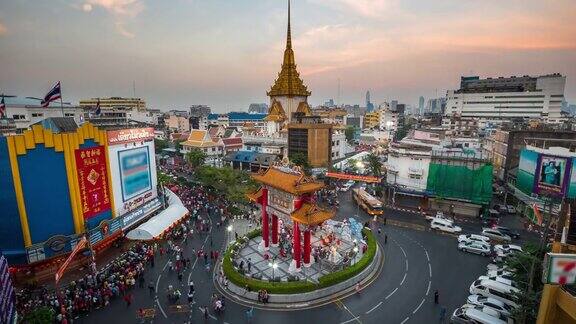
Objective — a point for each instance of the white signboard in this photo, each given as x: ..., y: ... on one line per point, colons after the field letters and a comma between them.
x: 560, y: 269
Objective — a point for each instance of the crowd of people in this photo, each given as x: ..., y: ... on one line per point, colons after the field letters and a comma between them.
x: 116, y: 281
x: 93, y: 290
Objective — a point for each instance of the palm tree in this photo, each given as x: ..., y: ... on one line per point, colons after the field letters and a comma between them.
x: 195, y: 158
x: 352, y: 165
x: 374, y: 164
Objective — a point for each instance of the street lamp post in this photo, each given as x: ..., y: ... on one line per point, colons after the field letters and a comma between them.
x: 273, y: 265
x: 229, y: 229
x: 355, y: 249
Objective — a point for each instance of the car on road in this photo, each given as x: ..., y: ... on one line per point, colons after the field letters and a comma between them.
x: 507, y: 248
x: 347, y: 185
x: 511, y: 209
x: 507, y: 231
x: 496, y: 235
x: 473, y: 238
x: 467, y: 315
x: 444, y: 225
x: 491, y: 303
x: 475, y: 247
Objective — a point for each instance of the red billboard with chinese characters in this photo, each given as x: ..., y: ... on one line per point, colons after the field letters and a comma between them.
x: 92, y: 180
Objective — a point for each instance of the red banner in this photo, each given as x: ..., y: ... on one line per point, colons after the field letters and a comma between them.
x: 81, y: 244
x: 130, y: 135
x: 92, y: 180
x: 346, y: 176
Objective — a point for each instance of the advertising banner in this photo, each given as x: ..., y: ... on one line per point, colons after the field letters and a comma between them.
x: 552, y: 175
x: 526, y: 171
x: 81, y: 244
x: 92, y: 180
x: 559, y: 269
x: 135, y: 174
x: 130, y: 135
x: 572, y: 184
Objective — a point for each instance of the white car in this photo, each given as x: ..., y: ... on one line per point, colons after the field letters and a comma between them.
x: 496, y: 235
x: 511, y: 209
x: 346, y: 186
x: 490, y: 303
x: 490, y: 311
x: 502, y: 280
x: 500, y: 273
x: 507, y: 248
x: 495, y: 267
x: 473, y: 238
x: 444, y: 225
x: 475, y: 247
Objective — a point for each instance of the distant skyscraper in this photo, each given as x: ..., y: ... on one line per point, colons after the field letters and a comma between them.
x: 258, y: 108
x: 329, y: 103
x: 369, y: 105
x: 393, y: 105
x: 421, y: 105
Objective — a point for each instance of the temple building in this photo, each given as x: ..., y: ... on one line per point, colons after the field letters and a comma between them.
x: 288, y: 94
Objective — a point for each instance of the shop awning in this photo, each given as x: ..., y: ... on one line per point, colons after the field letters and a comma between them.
x: 158, y: 224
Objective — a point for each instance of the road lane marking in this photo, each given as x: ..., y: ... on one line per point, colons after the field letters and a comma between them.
x: 392, y: 293
x: 161, y: 309
x: 405, y: 320
x: 405, y: 273
x: 158, y: 282
x: 427, y: 257
x: 406, y: 265
x: 373, y: 308
x: 403, y: 252
x: 428, y: 290
x: 417, y: 308
x: 430, y: 269
x: 350, y: 320
x: 355, y: 318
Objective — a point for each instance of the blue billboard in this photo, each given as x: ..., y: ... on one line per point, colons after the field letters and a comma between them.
x: 135, y: 174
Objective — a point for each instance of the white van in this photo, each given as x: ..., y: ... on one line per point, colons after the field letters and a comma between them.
x: 444, y: 225
x: 466, y: 315
x: 494, y: 289
x: 500, y: 279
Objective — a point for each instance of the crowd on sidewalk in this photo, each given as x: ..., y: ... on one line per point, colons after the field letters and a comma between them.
x: 118, y: 278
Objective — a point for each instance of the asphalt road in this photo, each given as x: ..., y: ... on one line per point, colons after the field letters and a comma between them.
x: 417, y: 262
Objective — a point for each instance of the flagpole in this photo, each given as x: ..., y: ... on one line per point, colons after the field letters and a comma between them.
x: 61, y: 103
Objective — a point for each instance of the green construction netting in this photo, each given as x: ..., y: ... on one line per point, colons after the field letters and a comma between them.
x: 449, y: 181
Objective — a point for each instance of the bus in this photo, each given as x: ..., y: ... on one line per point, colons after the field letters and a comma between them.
x: 370, y: 204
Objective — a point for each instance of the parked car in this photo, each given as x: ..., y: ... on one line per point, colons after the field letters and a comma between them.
x: 496, y: 235
x: 491, y: 303
x: 507, y: 248
x: 481, y: 248
x: 492, y: 312
x: 507, y: 231
x: 511, y: 209
x: 445, y: 225
x: 496, y: 267
x: 496, y: 290
x: 499, y: 208
x: 502, y: 273
x: 466, y: 315
x: 473, y: 238
x: 508, y: 282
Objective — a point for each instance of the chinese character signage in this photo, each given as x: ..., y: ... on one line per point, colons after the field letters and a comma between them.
x: 92, y: 180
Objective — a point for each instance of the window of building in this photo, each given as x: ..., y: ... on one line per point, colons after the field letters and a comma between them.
x: 69, y: 115
x: 37, y: 114
x: 415, y: 176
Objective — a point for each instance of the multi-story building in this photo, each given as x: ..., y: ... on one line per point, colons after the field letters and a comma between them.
x: 372, y: 119
x: 239, y: 120
x: 421, y: 105
x: 311, y: 137
x: 7, y: 127
x: 114, y: 102
x: 504, y: 146
x: 407, y: 166
x: 200, y: 110
x: 177, y: 123
x: 258, y: 108
x: 500, y: 99
x: 331, y: 115
x: 26, y: 112
x: 201, y: 140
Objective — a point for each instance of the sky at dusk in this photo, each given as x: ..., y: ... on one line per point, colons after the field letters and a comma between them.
x: 227, y: 53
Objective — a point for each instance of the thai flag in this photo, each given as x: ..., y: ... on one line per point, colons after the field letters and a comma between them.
x: 2, y: 108
x: 52, y: 95
x: 98, y: 110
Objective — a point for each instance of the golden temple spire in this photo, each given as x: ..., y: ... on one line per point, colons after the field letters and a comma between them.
x: 288, y: 82
x: 289, y: 34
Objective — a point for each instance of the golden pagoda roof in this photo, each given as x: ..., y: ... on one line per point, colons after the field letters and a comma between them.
x: 304, y: 108
x: 289, y: 181
x: 310, y: 214
x: 288, y: 82
x: 276, y: 112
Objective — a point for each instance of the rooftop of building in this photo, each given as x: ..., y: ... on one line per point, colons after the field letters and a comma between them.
x: 288, y: 180
x: 238, y: 115
x: 29, y: 102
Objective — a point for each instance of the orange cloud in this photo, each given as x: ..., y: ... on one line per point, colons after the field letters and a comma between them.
x: 3, y: 30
